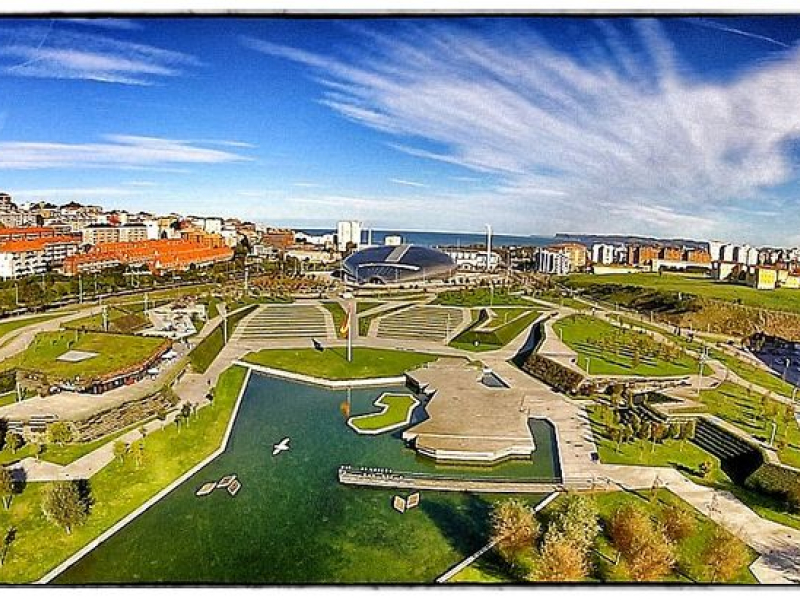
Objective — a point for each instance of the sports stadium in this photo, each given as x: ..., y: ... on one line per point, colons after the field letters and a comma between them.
x: 396, y: 264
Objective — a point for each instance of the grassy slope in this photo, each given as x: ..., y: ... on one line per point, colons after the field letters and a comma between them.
x: 7, y: 327
x: 732, y: 403
x: 780, y: 299
x: 479, y: 297
x: 117, y: 490
x: 499, y: 337
x: 576, y: 330
x: 332, y: 362
x: 114, y: 352
x: 397, y: 411
x: 207, y: 350
x: 338, y: 314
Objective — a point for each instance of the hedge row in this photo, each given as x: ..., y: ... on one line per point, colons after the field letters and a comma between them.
x: 777, y: 480
x: 557, y: 376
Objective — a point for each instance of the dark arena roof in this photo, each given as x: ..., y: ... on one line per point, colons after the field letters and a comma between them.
x: 397, y: 264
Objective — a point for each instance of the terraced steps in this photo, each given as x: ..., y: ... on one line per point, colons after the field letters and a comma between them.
x: 719, y: 442
x: 276, y: 321
x: 422, y: 322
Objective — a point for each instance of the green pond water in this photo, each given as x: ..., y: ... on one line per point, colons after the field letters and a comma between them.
x: 292, y: 522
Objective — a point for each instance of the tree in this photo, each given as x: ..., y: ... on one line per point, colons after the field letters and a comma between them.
x: 688, y: 431
x: 120, y: 450
x: 561, y: 559
x: 137, y: 451
x: 654, y: 557
x: 186, y: 412
x: 705, y: 468
x: 577, y: 521
x: 674, y: 431
x: 725, y: 555
x: 59, y: 433
x: 616, y: 434
x: 627, y: 526
x: 65, y: 505
x: 6, y: 487
x: 678, y: 522
x: 5, y: 543
x: 514, y: 528
x: 14, y: 441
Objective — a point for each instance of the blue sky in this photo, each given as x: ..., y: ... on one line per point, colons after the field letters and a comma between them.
x: 682, y: 126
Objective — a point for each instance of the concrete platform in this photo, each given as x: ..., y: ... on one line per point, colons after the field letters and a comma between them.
x: 467, y: 420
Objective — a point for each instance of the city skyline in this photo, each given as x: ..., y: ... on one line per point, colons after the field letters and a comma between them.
x: 679, y: 127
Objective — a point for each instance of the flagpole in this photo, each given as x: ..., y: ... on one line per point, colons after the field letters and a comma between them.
x: 350, y: 332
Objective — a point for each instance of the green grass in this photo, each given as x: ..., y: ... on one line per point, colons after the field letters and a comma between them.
x: 686, y: 457
x: 481, y: 571
x: 363, y: 306
x: 732, y: 403
x: 583, y: 334
x: 8, y: 398
x: 690, y: 565
x: 123, y: 321
x: 503, y: 316
x: 117, y: 490
x: 69, y: 453
x: 114, y: 352
x: 499, y: 336
x: 338, y: 314
x: 332, y: 362
x: 754, y: 374
x: 780, y: 299
x: 209, y: 348
x: 7, y: 327
x: 212, y: 307
x: 395, y: 411
x: 482, y: 296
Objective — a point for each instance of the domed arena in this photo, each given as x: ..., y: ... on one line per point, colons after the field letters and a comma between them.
x: 397, y: 264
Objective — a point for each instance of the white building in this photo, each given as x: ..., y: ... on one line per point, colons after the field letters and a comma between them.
x: 472, y: 260
x: 715, y: 250
x: 602, y: 254
x: 552, y: 263
x: 20, y: 258
x: 348, y: 232
x: 213, y: 225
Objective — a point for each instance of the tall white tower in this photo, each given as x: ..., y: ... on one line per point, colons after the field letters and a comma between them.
x: 348, y: 232
x: 488, y: 247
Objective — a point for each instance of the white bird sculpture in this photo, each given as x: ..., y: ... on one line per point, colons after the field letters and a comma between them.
x: 280, y: 447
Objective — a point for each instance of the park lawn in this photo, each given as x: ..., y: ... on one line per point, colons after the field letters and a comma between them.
x: 362, y: 306
x: 154, y: 295
x: 395, y: 411
x: 690, y: 566
x: 7, y: 327
x: 481, y: 571
x: 8, y: 398
x: 481, y: 296
x: 338, y: 314
x: 114, y: 352
x: 780, y: 299
x: 127, y: 320
x: 69, y: 453
x: 579, y: 332
x: 496, y: 338
x: 332, y: 363
x: 686, y: 457
x: 118, y: 489
x: 503, y: 316
x: 754, y: 374
x: 732, y: 403
x: 7, y: 457
x: 568, y: 301
x: 204, y: 353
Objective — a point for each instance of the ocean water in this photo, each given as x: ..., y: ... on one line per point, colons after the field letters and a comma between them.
x: 434, y: 238
x: 292, y: 522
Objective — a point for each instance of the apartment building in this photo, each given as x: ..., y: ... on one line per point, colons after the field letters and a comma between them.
x: 23, y: 257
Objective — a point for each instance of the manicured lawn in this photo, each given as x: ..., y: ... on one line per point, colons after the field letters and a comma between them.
x: 482, y: 296
x: 207, y: 350
x: 686, y: 457
x: 612, y: 350
x: 754, y: 374
x: 8, y: 398
x: 503, y: 316
x: 395, y: 411
x: 780, y: 299
x: 7, y: 327
x: 500, y: 335
x: 125, y: 320
x: 68, y: 453
x: 332, y: 362
x: 114, y: 352
x: 362, y: 306
x: 732, y: 403
x: 117, y: 490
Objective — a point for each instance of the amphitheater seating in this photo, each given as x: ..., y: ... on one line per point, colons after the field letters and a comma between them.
x: 284, y: 321
x: 423, y: 322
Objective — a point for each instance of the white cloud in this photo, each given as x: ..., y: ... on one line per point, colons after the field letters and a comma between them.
x: 56, y: 53
x: 307, y: 184
x: 55, y: 193
x: 409, y: 183
x: 122, y: 24
x: 116, y: 151
x: 619, y: 138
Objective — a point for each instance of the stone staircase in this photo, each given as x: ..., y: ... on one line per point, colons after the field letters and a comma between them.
x: 423, y: 322
x: 273, y: 321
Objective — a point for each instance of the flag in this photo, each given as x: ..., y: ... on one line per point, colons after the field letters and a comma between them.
x: 345, y: 328
x: 317, y: 345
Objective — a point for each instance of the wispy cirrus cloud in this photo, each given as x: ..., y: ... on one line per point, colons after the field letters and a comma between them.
x: 53, y: 52
x: 106, y: 23
x: 408, y: 183
x: 115, y: 151
x: 620, y: 134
